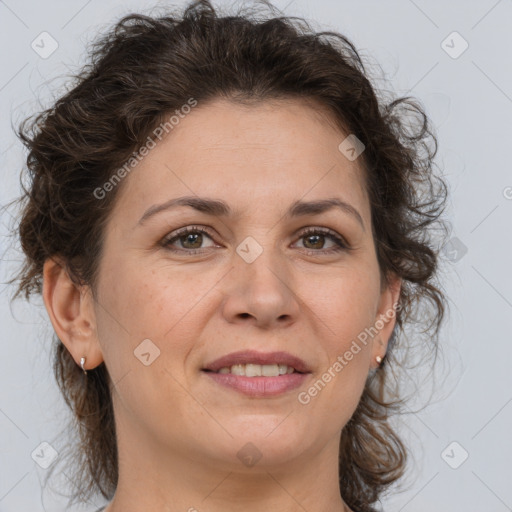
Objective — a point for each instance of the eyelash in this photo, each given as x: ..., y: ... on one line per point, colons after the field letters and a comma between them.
x: 341, y: 244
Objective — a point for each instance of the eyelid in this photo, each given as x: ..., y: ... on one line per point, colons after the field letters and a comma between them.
x: 323, y: 230
x: 341, y: 244
x: 339, y: 240
x: 186, y: 229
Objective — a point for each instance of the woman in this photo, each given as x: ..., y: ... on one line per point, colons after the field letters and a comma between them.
x: 231, y: 234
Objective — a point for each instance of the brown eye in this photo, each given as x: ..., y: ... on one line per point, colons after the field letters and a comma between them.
x: 314, y: 240
x: 189, y: 239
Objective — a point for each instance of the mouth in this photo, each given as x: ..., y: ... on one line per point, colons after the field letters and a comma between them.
x: 251, y: 363
x: 258, y: 374
x: 256, y: 370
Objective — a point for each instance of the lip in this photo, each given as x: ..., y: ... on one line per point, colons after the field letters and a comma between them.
x: 259, y: 386
x: 254, y: 357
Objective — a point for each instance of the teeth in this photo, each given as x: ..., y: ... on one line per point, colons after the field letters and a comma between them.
x: 283, y: 369
x: 258, y: 370
x: 253, y: 370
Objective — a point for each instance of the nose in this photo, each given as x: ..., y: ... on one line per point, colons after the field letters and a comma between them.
x: 260, y: 293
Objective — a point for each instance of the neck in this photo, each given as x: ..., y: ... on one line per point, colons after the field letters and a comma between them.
x: 176, y: 479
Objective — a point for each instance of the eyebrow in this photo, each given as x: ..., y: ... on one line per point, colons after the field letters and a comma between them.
x: 219, y: 208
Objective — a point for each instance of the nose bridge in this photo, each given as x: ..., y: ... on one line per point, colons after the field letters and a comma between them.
x: 260, y: 266
x: 261, y: 284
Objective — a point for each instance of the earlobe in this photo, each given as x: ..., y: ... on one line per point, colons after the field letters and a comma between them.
x: 70, y: 313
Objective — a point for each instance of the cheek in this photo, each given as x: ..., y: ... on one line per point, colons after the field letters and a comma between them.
x: 146, y: 301
x: 346, y: 309
x: 139, y: 305
x: 345, y: 306
x: 155, y: 303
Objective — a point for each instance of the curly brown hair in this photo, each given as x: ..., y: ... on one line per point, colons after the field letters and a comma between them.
x: 145, y: 68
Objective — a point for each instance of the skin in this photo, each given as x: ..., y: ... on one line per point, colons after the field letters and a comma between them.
x: 178, y: 431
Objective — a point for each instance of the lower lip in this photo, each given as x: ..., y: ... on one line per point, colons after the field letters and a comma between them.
x: 259, y: 386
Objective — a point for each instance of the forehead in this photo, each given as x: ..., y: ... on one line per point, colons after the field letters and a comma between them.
x: 248, y: 155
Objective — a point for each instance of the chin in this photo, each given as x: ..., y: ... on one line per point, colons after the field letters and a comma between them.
x: 266, y: 441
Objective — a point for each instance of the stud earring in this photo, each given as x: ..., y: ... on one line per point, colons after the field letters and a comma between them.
x: 82, y: 362
x: 379, y: 359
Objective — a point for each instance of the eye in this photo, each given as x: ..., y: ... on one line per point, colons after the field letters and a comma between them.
x: 190, y: 238
x: 314, y: 241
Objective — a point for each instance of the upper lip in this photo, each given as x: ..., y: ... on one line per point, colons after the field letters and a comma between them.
x: 253, y: 357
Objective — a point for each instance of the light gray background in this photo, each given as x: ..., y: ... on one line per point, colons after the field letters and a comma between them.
x: 470, y: 101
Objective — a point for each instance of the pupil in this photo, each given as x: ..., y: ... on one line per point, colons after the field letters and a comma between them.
x: 317, y: 237
x: 189, y: 238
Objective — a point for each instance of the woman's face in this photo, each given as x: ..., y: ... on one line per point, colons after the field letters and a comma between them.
x: 252, y: 279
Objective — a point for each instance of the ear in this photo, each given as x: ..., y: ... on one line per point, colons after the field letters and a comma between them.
x: 71, y: 313
x: 385, y: 319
